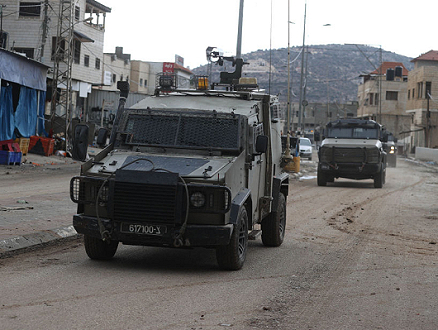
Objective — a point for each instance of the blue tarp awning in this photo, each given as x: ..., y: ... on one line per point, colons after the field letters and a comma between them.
x: 27, y: 118
x: 22, y: 70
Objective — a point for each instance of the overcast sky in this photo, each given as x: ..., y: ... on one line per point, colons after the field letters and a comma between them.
x: 155, y: 30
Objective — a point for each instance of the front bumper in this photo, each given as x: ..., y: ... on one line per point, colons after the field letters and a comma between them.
x: 305, y: 154
x: 194, y: 235
x: 350, y: 170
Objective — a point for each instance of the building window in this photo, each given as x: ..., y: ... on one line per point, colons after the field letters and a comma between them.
x: 97, y: 64
x: 28, y: 51
x: 373, y: 98
x: 409, y: 94
x: 3, y: 39
x: 413, y: 93
x: 419, y: 90
x: 428, y: 89
x: 87, y: 60
x: 141, y: 82
x: 114, y: 77
x: 391, y: 96
x: 30, y: 9
x: 76, y: 51
x: 77, y: 13
x: 145, y: 83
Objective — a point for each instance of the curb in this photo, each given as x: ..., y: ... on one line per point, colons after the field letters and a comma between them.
x: 39, y: 238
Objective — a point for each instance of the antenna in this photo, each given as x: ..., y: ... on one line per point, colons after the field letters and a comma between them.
x: 270, y: 54
x: 239, y: 32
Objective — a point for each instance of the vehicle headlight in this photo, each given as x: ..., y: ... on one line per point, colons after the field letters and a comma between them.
x: 76, y: 190
x: 197, y: 199
x: 85, y: 190
x: 392, y: 150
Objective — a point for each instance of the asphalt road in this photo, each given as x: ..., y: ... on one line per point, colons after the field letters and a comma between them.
x: 354, y: 257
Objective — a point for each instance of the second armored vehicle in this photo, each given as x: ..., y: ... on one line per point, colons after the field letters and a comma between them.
x: 352, y: 149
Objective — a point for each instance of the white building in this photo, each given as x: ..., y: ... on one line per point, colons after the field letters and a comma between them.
x: 31, y: 27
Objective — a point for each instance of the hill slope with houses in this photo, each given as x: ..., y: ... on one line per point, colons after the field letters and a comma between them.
x: 333, y: 71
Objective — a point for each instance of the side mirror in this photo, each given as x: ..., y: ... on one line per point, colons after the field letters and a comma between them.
x: 261, y: 144
x: 80, y: 142
x: 102, y: 136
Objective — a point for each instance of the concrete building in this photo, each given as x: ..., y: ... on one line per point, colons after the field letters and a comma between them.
x: 142, y: 78
x: 382, y: 96
x: 142, y: 81
x: 116, y: 67
x: 31, y: 28
x: 142, y: 75
x: 422, y: 100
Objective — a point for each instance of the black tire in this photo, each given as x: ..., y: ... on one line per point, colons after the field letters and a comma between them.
x: 99, y: 250
x: 321, y: 178
x: 274, y: 225
x: 379, y: 179
x: 233, y: 255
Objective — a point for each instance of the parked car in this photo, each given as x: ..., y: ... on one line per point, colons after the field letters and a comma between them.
x: 305, y: 148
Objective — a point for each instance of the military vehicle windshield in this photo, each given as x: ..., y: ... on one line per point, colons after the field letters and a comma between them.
x: 182, y: 129
x: 353, y: 129
x: 352, y: 133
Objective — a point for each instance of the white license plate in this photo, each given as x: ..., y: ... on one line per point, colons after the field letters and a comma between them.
x: 157, y: 230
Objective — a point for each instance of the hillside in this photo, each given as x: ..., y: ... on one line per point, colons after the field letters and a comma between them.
x: 333, y: 70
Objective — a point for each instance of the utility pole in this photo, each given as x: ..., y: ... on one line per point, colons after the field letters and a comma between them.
x: 288, y: 158
x: 45, y: 28
x: 62, y: 68
x: 379, y: 80
x: 302, y: 71
x: 305, y: 102
x: 380, y: 85
x: 288, y: 74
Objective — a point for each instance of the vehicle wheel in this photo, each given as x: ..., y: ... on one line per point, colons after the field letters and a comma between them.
x: 321, y: 178
x: 379, y: 178
x: 274, y: 225
x: 98, y: 249
x: 233, y: 255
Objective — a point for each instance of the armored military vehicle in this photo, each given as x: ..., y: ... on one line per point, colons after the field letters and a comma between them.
x: 352, y: 149
x: 187, y: 168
